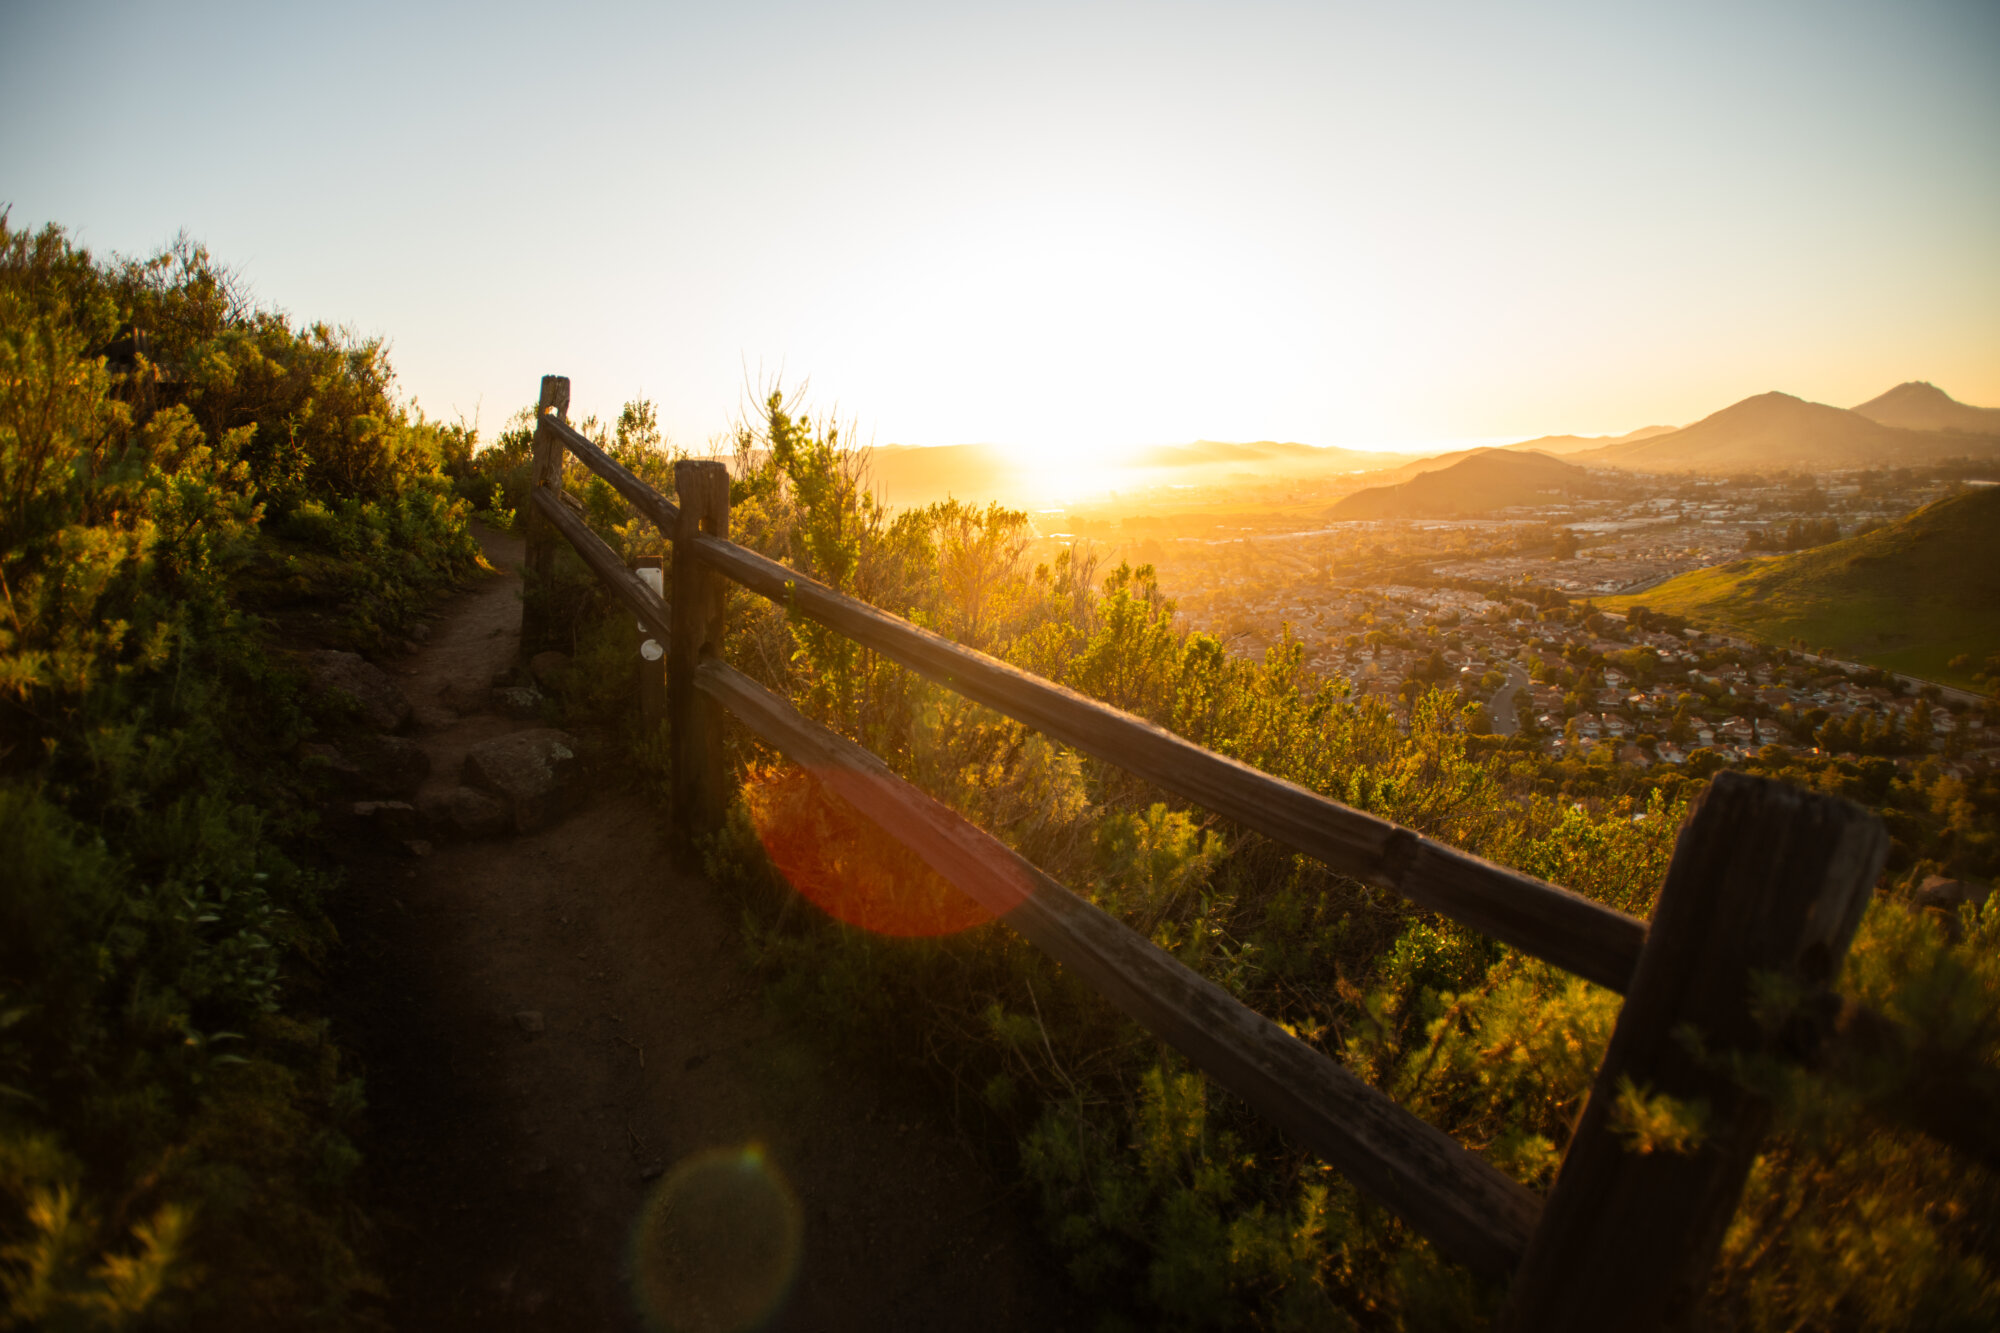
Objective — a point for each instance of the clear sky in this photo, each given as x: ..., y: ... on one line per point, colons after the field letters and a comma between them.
x: 1063, y: 227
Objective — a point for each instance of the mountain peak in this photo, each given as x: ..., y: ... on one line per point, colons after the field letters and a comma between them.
x: 1921, y: 405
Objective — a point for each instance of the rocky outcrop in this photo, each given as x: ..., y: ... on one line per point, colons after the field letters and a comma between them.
x: 376, y: 699
x: 536, y: 775
x: 464, y: 812
x: 375, y: 767
x: 521, y: 702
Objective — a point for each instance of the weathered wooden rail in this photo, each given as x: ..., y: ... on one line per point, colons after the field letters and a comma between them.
x: 1766, y: 879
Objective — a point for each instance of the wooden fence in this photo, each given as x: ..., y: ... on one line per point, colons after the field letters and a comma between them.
x: 1765, y: 879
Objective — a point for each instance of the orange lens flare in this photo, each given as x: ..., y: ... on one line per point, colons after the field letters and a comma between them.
x: 842, y: 862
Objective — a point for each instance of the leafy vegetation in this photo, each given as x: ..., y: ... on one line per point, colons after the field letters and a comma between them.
x: 182, y: 475
x: 1176, y: 1207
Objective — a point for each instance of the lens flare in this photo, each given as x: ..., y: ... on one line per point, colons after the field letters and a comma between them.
x: 840, y: 860
x: 717, y: 1244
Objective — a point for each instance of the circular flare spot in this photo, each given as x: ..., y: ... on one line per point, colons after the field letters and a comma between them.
x: 840, y: 860
x: 717, y: 1244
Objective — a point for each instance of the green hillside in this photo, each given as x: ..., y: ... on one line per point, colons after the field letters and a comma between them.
x: 1909, y: 597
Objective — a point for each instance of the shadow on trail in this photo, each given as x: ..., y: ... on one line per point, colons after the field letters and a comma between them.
x: 556, y: 1024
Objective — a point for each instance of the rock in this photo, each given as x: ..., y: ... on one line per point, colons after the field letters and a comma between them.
x: 418, y: 848
x: 523, y: 702
x: 550, y: 670
x: 465, y: 699
x: 420, y: 632
x: 371, y: 767
x: 327, y: 763
x: 1949, y: 894
x: 535, y: 774
x: 463, y: 813
x: 530, y: 1022
x: 375, y: 697
x: 393, y: 819
x: 388, y: 767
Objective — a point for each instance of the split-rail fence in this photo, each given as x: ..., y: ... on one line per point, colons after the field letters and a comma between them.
x: 1767, y: 884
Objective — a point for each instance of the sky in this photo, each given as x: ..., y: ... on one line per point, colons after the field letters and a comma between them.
x: 1065, y: 228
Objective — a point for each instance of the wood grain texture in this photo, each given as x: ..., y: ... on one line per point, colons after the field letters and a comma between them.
x: 1567, y: 929
x: 1766, y: 878
x: 1474, y: 1213
x: 700, y: 772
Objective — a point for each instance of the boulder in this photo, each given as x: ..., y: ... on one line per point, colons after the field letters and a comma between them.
x: 393, y: 819
x: 385, y: 768
x: 521, y: 702
x: 535, y: 774
x: 375, y: 697
x: 550, y: 670
x: 463, y: 813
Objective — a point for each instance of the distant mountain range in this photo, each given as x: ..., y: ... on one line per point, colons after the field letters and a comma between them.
x: 1260, y: 454
x: 1910, y: 596
x: 1912, y: 423
x: 1920, y: 405
x: 1482, y: 480
x: 1775, y: 431
x: 1576, y: 444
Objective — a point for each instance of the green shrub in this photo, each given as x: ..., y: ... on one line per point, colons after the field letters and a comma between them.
x: 179, y: 475
x: 1180, y: 1209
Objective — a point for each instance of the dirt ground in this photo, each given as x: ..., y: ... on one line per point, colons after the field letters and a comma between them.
x: 509, y: 1166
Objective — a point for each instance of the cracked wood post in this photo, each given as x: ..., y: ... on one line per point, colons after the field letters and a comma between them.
x: 1766, y: 878
x: 538, y: 584
x: 698, y: 778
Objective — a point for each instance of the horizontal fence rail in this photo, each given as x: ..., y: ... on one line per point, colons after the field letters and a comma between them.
x: 1766, y: 882
x: 1567, y: 929
x: 1475, y: 1214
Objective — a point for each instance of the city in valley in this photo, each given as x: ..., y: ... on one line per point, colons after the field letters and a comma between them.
x: 1538, y: 611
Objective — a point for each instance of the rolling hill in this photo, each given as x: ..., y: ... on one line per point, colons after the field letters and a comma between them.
x: 1260, y: 455
x: 1909, y: 597
x: 1775, y: 431
x: 1482, y: 481
x: 1561, y: 445
x: 1921, y: 405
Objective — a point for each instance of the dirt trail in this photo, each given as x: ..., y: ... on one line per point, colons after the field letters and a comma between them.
x: 510, y: 1166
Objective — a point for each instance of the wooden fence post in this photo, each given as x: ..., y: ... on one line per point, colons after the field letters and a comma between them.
x: 652, y: 670
x: 698, y: 778
x: 1766, y: 878
x: 538, y: 585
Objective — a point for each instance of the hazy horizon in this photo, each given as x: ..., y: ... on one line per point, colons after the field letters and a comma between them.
x: 1068, y: 229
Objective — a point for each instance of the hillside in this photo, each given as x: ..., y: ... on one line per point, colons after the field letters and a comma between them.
x: 1775, y: 431
x: 1295, y: 459
x: 1921, y: 405
x: 1484, y: 480
x: 1561, y: 445
x: 1909, y: 597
